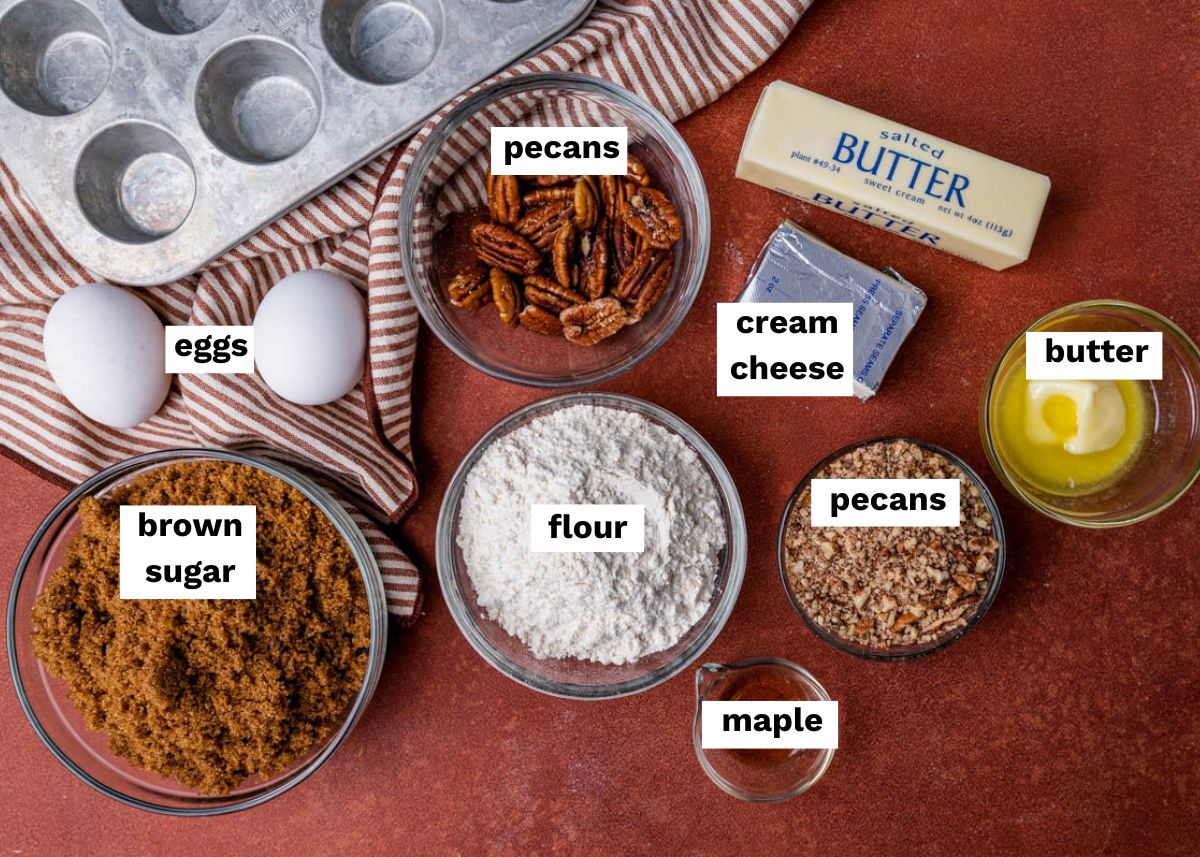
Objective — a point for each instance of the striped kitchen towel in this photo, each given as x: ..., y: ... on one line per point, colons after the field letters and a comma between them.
x: 678, y: 54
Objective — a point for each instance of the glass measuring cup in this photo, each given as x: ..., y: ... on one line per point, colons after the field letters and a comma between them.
x: 759, y: 776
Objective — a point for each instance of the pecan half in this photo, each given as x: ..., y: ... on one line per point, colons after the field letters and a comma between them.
x: 587, y: 202
x: 653, y: 286
x: 562, y: 256
x: 593, y: 265
x: 541, y: 224
x: 506, y: 296
x: 541, y: 196
x: 645, y: 267
x: 637, y: 172
x: 650, y: 214
x: 624, y: 247
x: 549, y: 294
x: 540, y: 321
x: 593, y: 322
x: 610, y: 197
x: 470, y: 288
x: 503, y: 248
x: 504, y: 199
x: 550, y: 181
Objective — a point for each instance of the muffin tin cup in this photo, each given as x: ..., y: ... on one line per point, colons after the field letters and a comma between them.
x: 175, y: 17
x: 55, y: 56
x: 894, y: 653
x: 61, y: 728
x: 382, y: 41
x: 154, y: 135
x: 135, y: 182
x: 258, y: 100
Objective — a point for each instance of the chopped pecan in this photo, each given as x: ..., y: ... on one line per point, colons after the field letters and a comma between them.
x: 549, y: 294
x: 541, y: 224
x: 562, y: 257
x: 592, y: 322
x: 541, y: 321
x: 650, y: 214
x: 504, y: 199
x: 506, y: 296
x: 470, y: 288
x: 587, y: 202
x: 644, y: 268
x: 593, y: 266
x: 503, y: 248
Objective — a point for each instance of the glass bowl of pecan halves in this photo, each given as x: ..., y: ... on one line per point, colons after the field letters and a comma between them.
x: 553, y: 281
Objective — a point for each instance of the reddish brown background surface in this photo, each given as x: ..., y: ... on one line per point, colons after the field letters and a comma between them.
x: 1065, y: 723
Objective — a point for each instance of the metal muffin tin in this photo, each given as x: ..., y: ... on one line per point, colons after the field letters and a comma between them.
x: 153, y: 135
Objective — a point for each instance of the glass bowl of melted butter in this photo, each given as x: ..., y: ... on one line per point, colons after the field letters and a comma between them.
x: 1096, y: 453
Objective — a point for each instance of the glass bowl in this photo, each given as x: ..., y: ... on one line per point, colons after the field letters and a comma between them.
x: 44, y: 697
x: 1170, y: 461
x: 909, y: 652
x: 434, y: 244
x: 746, y: 776
x: 571, y: 677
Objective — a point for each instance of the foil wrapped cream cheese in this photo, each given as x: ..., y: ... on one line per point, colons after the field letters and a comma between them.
x: 797, y: 267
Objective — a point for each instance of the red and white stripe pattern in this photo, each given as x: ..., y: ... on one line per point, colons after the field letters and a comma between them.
x: 678, y: 54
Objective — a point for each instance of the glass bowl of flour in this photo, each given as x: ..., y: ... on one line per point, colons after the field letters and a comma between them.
x: 591, y: 625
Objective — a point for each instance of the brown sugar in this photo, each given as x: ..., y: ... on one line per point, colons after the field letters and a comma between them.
x: 210, y: 692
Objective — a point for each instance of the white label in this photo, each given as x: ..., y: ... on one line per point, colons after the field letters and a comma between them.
x: 885, y: 503
x: 584, y: 528
x: 211, y: 350
x: 799, y: 725
x: 559, y: 151
x: 1093, y: 356
x: 785, y: 349
x: 188, y: 552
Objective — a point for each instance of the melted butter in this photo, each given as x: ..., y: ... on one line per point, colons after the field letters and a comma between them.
x: 1071, y: 437
x: 1083, y: 416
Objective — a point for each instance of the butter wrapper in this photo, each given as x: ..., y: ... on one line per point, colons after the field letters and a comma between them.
x: 797, y: 267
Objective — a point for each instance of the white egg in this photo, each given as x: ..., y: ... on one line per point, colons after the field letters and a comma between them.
x: 104, y: 349
x: 310, y: 337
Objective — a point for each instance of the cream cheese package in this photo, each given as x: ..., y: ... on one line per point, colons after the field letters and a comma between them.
x: 797, y: 267
x: 880, y: 172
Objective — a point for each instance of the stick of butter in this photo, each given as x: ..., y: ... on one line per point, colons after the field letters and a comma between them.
x: 891, y: 176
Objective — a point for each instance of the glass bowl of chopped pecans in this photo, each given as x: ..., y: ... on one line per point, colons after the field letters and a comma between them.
x: 553, y: 281
x: 893, y: 593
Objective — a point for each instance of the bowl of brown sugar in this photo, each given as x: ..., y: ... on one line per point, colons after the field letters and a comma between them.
x: 893, y: 593
x: 206, y: 706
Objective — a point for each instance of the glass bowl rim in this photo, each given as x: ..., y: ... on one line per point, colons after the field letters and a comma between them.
x: 724, y: 784
x: 355, y: 541
x: 990, y: 388
x: 471, y: 105
x: 920, y: 651
x: 456, y: 601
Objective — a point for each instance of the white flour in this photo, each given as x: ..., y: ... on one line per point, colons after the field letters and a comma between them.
x: 607, y: 607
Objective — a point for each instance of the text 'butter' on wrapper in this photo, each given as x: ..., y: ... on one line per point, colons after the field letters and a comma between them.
x: 894, y: 177
x: 797, y: 267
